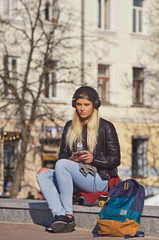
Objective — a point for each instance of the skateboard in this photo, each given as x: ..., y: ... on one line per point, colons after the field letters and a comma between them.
x: 78, y: 198
x: 102, y: 200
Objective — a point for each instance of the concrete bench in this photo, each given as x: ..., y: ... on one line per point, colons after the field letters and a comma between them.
x: 36, y: 211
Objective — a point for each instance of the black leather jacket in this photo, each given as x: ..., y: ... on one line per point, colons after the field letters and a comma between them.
x: 106, y: 153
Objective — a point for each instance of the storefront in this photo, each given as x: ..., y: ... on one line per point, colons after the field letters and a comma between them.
x: 10, y: 143
x: 50, y: 143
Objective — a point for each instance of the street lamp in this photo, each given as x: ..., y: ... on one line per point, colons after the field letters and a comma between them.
x: 82, y: 42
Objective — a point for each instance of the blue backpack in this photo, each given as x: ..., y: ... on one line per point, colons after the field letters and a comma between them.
x: 120, y: 216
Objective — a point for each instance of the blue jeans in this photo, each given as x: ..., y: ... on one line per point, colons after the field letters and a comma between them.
x: 59, y: 185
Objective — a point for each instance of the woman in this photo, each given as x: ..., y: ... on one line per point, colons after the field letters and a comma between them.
x: 89, y: 156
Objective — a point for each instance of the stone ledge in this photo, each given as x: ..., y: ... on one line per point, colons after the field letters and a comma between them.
x: 35, y: 211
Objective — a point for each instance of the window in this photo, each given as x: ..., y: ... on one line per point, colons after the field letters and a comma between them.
x: 10, y: 8
x: 50, y: 80
x: 11, y: 146
x: 139, y: 156
x: 104, y: 14
x: 138, y: 86
x: 103, y: 81
x: 137, y: 16
x: 10, y: 72
x: 51, y: 10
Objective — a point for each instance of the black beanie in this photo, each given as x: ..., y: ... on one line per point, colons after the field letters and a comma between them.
x: 90, y: 92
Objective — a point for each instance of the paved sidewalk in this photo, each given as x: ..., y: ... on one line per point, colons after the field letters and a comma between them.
x: 21, y: 231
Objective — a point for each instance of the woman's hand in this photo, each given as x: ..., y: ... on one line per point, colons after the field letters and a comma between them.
x: 74, y: 158
x: 87, y: 157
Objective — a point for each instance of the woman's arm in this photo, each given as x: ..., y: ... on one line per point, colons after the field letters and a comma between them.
x: 109, y: 156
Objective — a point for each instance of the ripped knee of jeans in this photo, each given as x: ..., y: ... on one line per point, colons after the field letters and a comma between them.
x: 41, y: 170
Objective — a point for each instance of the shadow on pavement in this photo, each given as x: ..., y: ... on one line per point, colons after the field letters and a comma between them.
x: 40, y: 213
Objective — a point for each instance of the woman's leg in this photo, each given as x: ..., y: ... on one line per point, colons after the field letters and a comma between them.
x: 68, y: 174
x: 48, y: 185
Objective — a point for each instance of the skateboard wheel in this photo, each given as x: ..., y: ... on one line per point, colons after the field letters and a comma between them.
x: 101, y: 203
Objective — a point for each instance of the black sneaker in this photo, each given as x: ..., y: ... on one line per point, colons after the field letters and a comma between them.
x: 48, y: 228
x: 63, y: 224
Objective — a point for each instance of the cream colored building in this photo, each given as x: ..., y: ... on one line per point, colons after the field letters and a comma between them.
x: 113, y: 57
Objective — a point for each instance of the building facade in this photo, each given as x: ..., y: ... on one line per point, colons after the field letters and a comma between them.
x: 107, y: 45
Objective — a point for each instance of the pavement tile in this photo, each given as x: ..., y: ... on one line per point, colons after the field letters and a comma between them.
x: 25, y: 231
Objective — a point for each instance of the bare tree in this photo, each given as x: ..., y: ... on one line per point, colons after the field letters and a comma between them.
x: 39, y: 43
x: 42, y: 46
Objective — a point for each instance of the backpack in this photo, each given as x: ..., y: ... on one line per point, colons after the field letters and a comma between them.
x: 120, y: 216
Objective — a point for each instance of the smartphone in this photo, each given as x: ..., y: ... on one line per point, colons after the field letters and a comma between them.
x: 78, y: 153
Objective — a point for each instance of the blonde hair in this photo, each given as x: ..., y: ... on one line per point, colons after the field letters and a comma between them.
x: 74, y: 133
